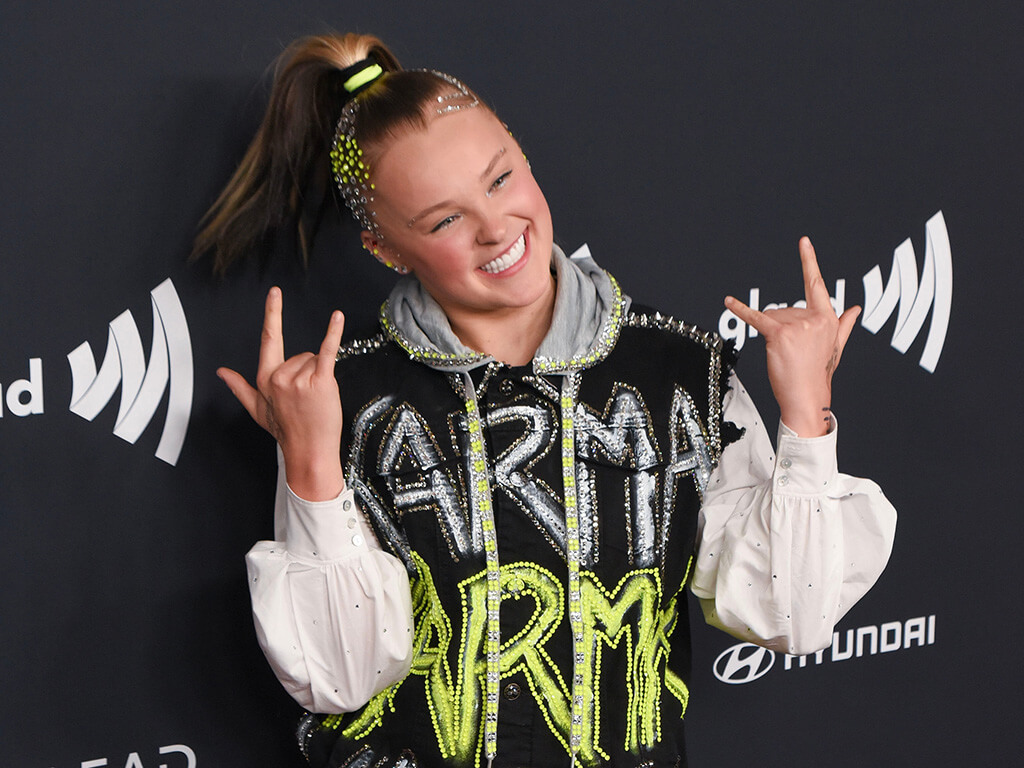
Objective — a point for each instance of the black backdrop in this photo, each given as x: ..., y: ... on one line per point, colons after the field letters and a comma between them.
x: 690, y: 146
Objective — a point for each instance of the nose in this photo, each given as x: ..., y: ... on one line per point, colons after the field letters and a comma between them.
x: 492, y: 226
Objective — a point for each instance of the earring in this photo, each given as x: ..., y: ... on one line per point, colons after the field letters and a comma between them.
x: 399, y: 268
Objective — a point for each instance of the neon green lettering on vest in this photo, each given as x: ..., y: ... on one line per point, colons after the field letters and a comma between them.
x: 626, y: 619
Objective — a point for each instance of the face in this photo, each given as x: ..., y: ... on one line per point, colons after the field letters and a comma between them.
x: 457, y: 205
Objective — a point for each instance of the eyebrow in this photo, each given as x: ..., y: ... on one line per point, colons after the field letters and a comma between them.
x: 490, y: 167
x: 446, y: 203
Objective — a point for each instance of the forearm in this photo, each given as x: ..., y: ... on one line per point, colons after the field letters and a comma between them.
x: 332, y: 610
x: 788, y: 544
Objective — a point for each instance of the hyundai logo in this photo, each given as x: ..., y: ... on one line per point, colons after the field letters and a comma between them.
x: 743, y: 663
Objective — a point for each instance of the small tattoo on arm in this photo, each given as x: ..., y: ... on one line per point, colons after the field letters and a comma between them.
x: 272, y: 426
x: 830, y: 366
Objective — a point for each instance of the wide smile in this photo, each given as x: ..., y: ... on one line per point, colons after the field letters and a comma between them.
x: 508, y: 259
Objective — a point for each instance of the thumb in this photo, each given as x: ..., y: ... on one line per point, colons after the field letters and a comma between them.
x: 240, y: 388
x: 846, y: 323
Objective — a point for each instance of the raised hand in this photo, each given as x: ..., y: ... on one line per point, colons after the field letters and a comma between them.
x: 803, y: 347
x: 297, y: 401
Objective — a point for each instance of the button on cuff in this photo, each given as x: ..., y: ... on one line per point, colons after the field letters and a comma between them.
x: 808, y: 463
x: 324, y: 530
x: 805, y: 465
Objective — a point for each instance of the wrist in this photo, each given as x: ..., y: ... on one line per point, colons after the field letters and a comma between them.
x: 314, y: 477
x: 807, y: 410
x: 808, y: 422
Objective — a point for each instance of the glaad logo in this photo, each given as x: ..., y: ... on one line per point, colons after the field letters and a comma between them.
x: 32, y: 386
x: 142, y: 388
x: 745, y: 662
x: 934, y: 293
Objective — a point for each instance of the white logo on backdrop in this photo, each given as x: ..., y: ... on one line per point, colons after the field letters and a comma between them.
x: 142, y: 387
x: 25, y: 396
x: 934, y: 292
x: 745, y: 662
x: 915, y: 298
x: 134, y: 761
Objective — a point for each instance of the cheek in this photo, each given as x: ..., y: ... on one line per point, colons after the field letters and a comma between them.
x: 534, y: 198
x: 444, y: 258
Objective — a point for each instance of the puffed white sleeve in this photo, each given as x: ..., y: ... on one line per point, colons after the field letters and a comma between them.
x: 333, y: 612
x: 786, y: 544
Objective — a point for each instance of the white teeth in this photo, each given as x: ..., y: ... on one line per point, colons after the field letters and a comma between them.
x: 506, y: 260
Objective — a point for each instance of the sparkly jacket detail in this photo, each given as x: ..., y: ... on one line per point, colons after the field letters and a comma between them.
x: 547, y: 519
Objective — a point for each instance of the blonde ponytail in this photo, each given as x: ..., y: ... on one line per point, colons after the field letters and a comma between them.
x: 288, y: 154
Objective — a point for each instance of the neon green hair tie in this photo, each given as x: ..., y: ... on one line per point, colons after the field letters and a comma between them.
x: 364, y: 76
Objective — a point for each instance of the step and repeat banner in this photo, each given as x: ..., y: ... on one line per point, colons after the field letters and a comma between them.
x: 690, y: 146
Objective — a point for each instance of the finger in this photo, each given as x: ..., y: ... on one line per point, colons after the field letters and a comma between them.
x: 329, y: 348
x: 752, y: 317
x: 240, y: 388
x: 846, y: 323
x: 272, y: 340
x: 815, y: 291
x: 296, y: 368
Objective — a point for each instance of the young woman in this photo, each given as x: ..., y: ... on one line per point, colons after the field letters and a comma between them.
x: 483, y: 562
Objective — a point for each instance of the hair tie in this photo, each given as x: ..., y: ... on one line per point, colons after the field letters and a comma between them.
x: 360, y: 75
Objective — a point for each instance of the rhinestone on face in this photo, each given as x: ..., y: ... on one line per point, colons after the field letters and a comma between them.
x: 453, y: 102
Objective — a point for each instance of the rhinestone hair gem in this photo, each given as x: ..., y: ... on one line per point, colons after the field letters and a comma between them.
x: 351, y: 170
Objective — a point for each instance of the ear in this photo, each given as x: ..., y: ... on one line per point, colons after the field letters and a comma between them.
x: 374, y: 243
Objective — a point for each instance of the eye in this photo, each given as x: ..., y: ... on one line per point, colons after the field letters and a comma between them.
x: 444, y: 223
x: 499, y: 182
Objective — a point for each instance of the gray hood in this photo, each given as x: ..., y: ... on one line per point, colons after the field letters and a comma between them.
x: 588, y: 313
